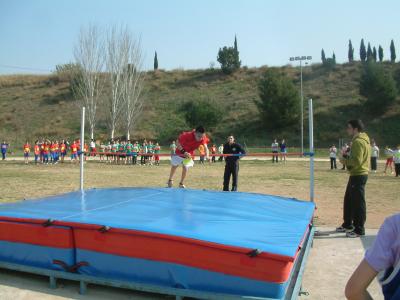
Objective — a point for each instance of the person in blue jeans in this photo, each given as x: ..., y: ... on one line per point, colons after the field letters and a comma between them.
x: 383, y: 256
x: 4, y: 146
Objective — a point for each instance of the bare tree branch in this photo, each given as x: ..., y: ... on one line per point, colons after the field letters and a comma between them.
x: 88, y: 81
x: 133, y: 84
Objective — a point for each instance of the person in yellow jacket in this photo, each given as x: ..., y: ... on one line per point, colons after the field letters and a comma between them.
x: 357, y: 163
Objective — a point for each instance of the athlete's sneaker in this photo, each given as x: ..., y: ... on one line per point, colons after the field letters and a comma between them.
x: 170, y: 183
x: 353, y: 234
x: 344, y: 229
x: 182, y: 186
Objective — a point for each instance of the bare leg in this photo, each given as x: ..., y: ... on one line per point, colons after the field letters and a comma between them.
x: 173, y: 170
x: 184, y: 172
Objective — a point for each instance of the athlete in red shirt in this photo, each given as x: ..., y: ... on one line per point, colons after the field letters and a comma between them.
x: 186, y: 144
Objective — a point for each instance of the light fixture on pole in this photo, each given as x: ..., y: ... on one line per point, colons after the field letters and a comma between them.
x: 301, y: 58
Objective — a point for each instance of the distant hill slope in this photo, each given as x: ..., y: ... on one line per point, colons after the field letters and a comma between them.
x: 33, y: 106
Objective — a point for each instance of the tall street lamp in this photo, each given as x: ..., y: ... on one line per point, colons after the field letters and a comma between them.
x: 301, y: 58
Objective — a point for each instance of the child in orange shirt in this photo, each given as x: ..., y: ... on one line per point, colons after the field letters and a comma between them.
x: 27, y: 150
x: 36, y: 151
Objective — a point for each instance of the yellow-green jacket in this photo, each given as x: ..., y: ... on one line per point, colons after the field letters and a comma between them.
x: 360, y: 155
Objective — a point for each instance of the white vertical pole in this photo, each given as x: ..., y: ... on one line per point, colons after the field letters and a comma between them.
x: 311, y: 137
x: 302, y: 108
x: 82, y: 147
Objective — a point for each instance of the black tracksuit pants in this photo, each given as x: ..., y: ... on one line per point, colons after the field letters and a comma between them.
x: 354, y: 207
x: 231, y: 168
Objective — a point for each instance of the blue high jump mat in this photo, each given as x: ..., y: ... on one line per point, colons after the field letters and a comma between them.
x: 182, y: 241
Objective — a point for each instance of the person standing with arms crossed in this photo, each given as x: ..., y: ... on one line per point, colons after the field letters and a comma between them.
x: 186, y: 144
x: 354, y: 207
x: 274, y: 148
x: 374, y: 157
x: 232, y: 163
x: 332, y: 156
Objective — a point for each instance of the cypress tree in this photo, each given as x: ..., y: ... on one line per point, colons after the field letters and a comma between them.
x: 351, y: 52
x: 323, y: 58
x: 380, y: 52
x: 369, y: 52
x: 392, y: 52
x: 155, y: 61
x: 237, y: 60
x: 374, y: 54
x: 363, y: 52
x: 334, y: 58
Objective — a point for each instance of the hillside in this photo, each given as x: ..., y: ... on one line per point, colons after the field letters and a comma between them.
x: 33, y: 106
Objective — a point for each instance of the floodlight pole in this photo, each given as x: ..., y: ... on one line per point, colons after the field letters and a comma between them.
x: 311, y: 137
x: 301, y: 58
x: 82, y: 148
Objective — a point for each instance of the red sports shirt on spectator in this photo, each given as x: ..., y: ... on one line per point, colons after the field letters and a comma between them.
x: 189, y: 143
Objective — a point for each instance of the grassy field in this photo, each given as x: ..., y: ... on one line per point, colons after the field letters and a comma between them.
x: 19, y: 181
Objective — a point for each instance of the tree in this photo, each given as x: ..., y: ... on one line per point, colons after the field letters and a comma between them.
x: 380, y: 52
x: 363, y: 52
x: 334, y: 58
x: 369, y: 53
x: 374, y: 54
x: 279, y: 103
x: 392, y: 52
x: 350, y: 52
x: 116, y: 63
x: 227, y: 57
x: 155, y: 61
x: 237, y: 60
x: 323, y: 58
x: 202, y: 111
x: 379, y: 87
x: 132, y: 84
x: 88, y: 82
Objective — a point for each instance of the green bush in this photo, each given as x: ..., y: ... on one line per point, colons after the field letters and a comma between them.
x: 279, y: 100
x: 202, y: 112
x: 379, y: 87
x: 229, y: 59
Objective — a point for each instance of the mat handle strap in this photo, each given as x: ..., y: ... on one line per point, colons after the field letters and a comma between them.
x: 72, y: 269
x: 254, y: 253
x: 104, y: 229
x: 48, y: 223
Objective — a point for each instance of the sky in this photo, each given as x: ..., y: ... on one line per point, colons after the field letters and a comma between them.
x: 36, y: 35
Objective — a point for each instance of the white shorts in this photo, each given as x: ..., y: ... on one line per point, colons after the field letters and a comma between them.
x: 177, y: 160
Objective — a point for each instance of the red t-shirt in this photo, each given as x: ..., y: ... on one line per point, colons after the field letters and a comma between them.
x: 189, y: 143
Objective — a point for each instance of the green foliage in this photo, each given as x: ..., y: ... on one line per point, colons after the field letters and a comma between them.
x: 396, y: 77
x: 369, y: 52
x: 279, y: 100
x: 172, y: 125
x: 374, y: 54
x: 155, y: 61
x: 379, y: 87
x: 392, y: 52
x: 350, y: 53
x: 380, y: 53
x: 323, y: 57
x: 203, y: 112
x: 228, y: 57
x: 363, y: 51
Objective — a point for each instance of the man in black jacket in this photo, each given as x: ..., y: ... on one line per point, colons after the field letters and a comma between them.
x: 232, y: 162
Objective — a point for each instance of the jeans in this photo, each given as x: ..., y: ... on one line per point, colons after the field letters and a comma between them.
x: 333, y: 163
